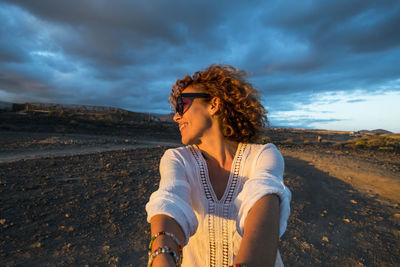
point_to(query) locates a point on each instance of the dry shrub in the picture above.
(386, 148)
(289, 140)
(374, 142)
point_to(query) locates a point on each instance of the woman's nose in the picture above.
(177, 117)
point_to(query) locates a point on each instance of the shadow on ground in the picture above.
(332, 224)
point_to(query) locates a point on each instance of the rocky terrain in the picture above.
(73, 191)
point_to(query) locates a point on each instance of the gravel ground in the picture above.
(77, 210)
(88, 209)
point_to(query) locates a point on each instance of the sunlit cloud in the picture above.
(346, 112)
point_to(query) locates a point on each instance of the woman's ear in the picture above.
(215, 105)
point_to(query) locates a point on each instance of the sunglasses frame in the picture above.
(192, 96)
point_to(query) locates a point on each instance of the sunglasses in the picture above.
(185, 100)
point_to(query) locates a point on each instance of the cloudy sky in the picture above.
(318, 64)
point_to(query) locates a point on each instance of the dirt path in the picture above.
(16, 146)
(12, 156)
(372, 177)
(334, 224)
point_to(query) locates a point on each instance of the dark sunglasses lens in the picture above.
(178, 105)
(186, 103)
(182, 104)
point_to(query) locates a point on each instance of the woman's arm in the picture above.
(261, 233)
(169, 208)
(165, 223)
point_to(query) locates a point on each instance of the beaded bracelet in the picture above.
(170, 235)
(165, 250)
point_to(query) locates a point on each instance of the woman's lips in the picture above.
(181, 126)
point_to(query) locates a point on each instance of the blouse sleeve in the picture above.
(266, 178)
(173, 196)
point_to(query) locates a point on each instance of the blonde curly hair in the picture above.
(241, 114)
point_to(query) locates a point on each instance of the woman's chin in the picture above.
(185, 143)
(188, 141)
(184, 140)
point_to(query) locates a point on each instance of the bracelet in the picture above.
(170, 235)
(163, 250)
(238, 265)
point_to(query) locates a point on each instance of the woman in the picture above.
(221, 197)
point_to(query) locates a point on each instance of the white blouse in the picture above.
(214, 228)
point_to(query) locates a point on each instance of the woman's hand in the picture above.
(261, 234)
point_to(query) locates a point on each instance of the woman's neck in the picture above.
(219, 150)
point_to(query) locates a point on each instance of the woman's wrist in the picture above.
(163, 260)
(164, 238)
(162, 252)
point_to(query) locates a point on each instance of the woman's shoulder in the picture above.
(258, 153)
(182, 152)
(260, 148)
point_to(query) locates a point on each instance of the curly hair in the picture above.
(241, 115)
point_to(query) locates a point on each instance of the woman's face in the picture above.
(195, 122)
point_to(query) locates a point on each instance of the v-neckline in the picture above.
(231, 175)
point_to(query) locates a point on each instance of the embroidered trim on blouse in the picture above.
(211, 207)
(228, 199)
(226, 205)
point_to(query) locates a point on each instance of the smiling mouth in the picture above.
(182, 126)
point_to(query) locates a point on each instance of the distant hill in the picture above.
(165, 117)
(376, 131)
(112, 113)
(89, 111)
(6, 106)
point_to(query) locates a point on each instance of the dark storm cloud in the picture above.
(361, 25)
(32, 89)
(345, 45)
(12, 46)
(129, 53)
(128, 32)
